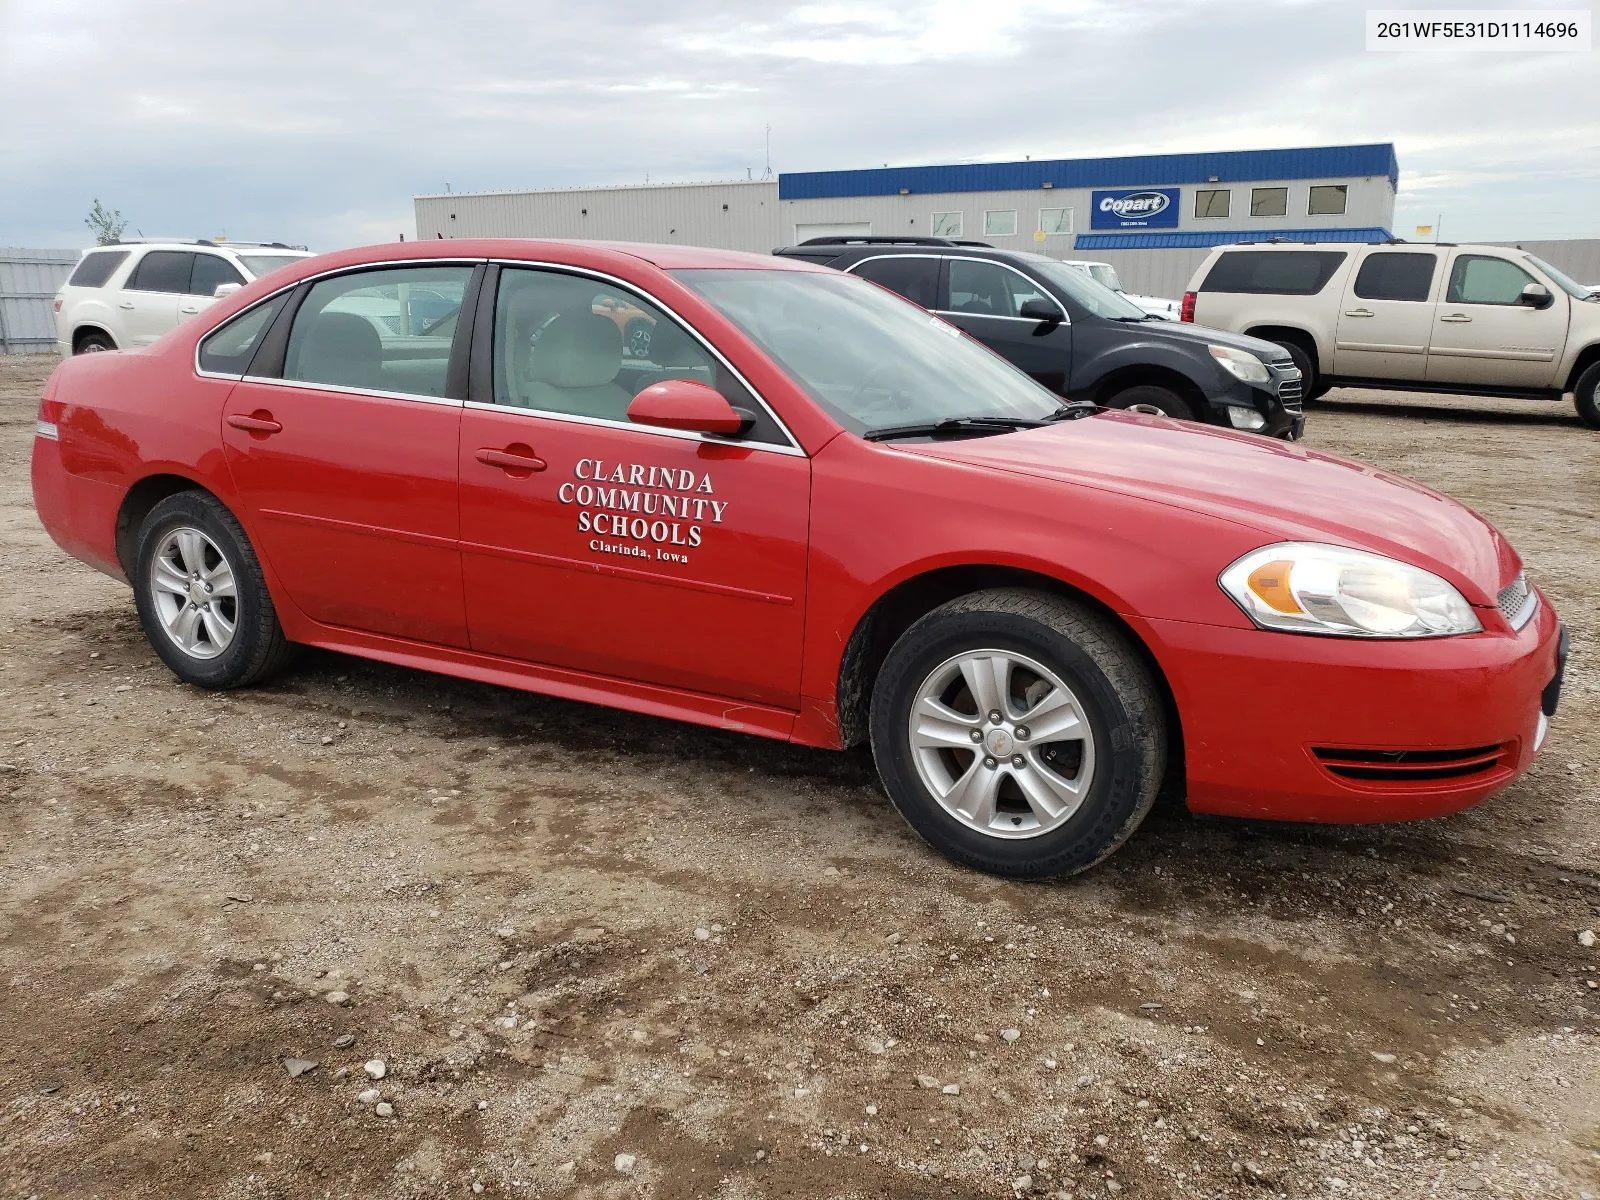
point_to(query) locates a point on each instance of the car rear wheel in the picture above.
(1153, 400)
(1308, 373)
(93, 342)
(1587, 394)
(201, 596)
(1018, 733)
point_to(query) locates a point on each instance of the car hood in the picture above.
(1200, 335)
(1285, 490)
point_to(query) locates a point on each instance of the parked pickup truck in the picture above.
(1474, 320)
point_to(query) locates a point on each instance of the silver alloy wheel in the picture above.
(192, 586)
(1149, 410)
(1001, 743)
(93, 347)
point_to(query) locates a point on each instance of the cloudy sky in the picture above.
(317, 122)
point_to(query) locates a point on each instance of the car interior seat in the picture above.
(340, 348)
(572, 367)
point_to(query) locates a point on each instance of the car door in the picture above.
(985, 297)
(345, 457)
(1483, 335)
(1386, 317)
(209, 272)
(589, 543)
(148, 305)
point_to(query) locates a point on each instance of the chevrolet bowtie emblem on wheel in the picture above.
(998, 743)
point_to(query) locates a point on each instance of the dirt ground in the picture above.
(601, 955)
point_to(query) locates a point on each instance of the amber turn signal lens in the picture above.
(1270, 581)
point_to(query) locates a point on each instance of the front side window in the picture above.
(1479, 279)
(369, 330)
(1086, 290)
(917, 279)
(1269, 202)
(1055, 220)
(945, 225)
(1396, 275)
(577, 346)
(1212, 202)
(1327, 200)
(229, 349)
(1000, 222)
(1273, 272)
(870, 359)
(162, 271)
(986, 289)
(96, 267)
(210, 272)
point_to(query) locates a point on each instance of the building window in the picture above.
(1211, 202)
(945, 225)
(1269, 202)
(1328, 200)
(1000, 222)
(1055, 220)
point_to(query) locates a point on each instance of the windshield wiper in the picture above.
(1071, 410)
(956, 425)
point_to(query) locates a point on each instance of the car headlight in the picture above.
(1241, 364)
(1304, 587)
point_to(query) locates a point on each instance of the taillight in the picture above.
(1186, 313)
(58, 303)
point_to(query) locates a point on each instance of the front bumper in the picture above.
(1279, 401)
(1294, 727)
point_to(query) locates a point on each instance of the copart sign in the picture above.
(1146, 208)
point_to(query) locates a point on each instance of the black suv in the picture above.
(1078, 338)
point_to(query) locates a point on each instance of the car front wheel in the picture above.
(1019, 733)
(201, 596)
(1153, 400)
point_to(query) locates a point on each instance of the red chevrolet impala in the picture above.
(810, 511)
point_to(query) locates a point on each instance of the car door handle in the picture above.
(189, 310)
(258, 422)
(515, 457)
(1358, 312)
(1456, 319)
(128, 304)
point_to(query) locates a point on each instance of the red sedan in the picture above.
(812, 512)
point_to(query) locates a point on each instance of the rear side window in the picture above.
(1273, 273)
(228, 350)
(382, 331)
(1395, 275)
(96, 267)
(209, 272)
(162, 271)
(1479, 279)
(917, 279)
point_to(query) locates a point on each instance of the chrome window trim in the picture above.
(307, 385)
(539, 414)
(793, 446)
(320, 275)
(1066, 318)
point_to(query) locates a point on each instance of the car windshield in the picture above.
(871, 359)
(264, 264)
(1106, 276)
(1076, 286)
(1564, 282)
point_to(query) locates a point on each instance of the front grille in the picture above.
(1291, 390)
(1408, 768)
(1517, 602)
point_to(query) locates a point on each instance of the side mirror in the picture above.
(685, 404)
(1040, 310)
(1536, 295)
(225, 289)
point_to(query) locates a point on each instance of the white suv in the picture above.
(130, 293)
(1474, 320)
(1105, 274)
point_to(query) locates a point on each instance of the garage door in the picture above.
(842, 229)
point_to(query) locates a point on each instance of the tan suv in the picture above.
(1474, 320)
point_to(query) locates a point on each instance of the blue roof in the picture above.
(1221, 237)
(1144, 170)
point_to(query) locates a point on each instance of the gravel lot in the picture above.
(603, 955)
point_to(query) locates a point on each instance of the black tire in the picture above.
(1309, 389)
(257, 648)
(1152, 398)
(1114, 690)
(93, 342)
(1587, 395)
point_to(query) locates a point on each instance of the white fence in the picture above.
(28, 283)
